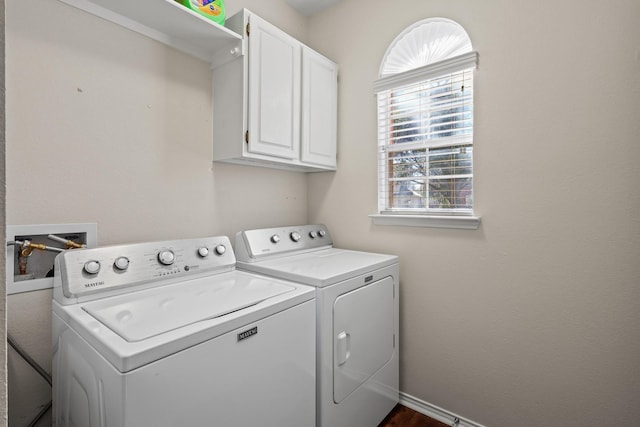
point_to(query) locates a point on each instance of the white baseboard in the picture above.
(436, 412)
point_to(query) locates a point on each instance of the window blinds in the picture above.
(425, 137)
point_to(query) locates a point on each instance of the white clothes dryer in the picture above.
(357, 317)
(171, 334)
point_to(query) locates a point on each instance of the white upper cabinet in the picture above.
(274, 91)
(319, 109)
(276, 106)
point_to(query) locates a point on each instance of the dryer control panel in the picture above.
(102, 271)
(252, 245)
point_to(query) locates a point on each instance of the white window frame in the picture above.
(439, 218)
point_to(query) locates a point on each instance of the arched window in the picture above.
(425, 121)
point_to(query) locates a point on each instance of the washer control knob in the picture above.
(295, 236)
(121, 263)
(313, 234)
(220, 249)
(92, 267)
(166, 257)
(322, 233)
(275, 238)
(203, 251)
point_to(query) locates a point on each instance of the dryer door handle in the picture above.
(343, 348)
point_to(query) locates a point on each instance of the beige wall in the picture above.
(107, 126)
(533, 319)
(3, 252)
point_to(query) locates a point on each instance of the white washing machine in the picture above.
(170, 334)
(357, 317)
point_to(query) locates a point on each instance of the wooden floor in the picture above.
(401, 416)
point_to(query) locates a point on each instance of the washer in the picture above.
(357, 317)
(171, 334)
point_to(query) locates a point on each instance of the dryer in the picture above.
(171, 334)
(357, 317)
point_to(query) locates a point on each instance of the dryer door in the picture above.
(363, 335)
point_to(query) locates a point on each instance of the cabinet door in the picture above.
(274, 91)
(319, 109)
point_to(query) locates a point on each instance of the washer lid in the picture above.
(322, 267)
(141, 315)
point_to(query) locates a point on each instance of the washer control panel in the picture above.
(82, 272)
(254, 244)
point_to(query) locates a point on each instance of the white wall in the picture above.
(533, 319)
(107, 126)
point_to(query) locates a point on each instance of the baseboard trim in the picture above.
(436, 412)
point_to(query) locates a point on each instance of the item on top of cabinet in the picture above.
(212, 9)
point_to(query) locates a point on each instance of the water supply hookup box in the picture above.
(31, 250)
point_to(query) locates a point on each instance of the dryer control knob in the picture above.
(220, 249)
(203, 251)
(166, 257)
(295, 236)
(313, 234)
(121, 263)
(92, 267)
(275, 238)
(322, 233)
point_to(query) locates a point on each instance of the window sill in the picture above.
(458, 222)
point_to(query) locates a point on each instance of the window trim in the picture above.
(462, 222)
(466, 221)
(426, 72)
